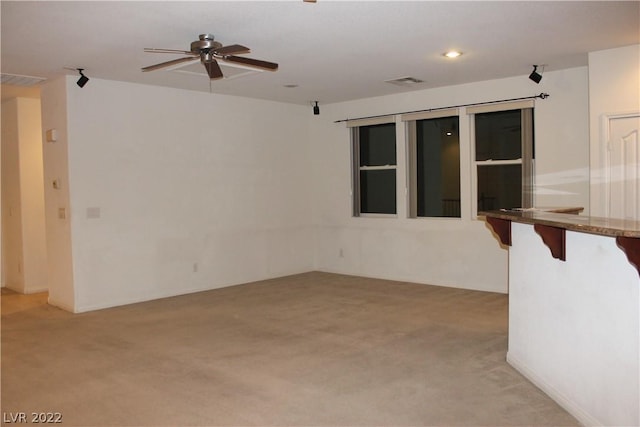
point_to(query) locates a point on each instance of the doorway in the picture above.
(24, 251)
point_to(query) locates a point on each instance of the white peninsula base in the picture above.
(574, 325)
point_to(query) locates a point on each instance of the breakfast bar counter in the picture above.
(574, 309)
(552, 223)
(564, 218)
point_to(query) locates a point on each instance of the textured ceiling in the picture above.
(332, 50)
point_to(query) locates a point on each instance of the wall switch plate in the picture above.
(62, 213)
(52, 135)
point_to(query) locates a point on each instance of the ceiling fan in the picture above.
(210, 51)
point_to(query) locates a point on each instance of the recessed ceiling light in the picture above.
(291, 86)
(452, 54)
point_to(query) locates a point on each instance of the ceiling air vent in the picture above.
(16, 80)
(405, 81)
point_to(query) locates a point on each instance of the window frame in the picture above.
(527, 154)
(410, 120)
(356, 168)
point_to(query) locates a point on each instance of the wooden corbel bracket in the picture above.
(554, 238)
(502, 228)
(631, 247)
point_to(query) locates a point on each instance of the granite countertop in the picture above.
(555, 217)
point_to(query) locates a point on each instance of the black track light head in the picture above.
(316, 109)
(83, 79)
(535, 76)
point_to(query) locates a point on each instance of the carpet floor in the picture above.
(314, 349)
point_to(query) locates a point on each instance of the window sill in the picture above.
(375, 215)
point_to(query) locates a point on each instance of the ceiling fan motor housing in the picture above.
(206, 44)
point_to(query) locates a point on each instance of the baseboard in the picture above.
(170, 293)
(410, 279)
(24, 290)
(15, 288)
(53, 302)
(569, 405)
(36, 291)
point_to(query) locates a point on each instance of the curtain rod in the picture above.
(541, 96)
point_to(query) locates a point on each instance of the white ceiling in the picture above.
(333, 50)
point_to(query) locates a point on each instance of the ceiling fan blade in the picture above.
(154, 50)
(232, 49)
(168, 63)
(257, 63)
(213, 69)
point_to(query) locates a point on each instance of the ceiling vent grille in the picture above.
(16, 80)
(405, 81)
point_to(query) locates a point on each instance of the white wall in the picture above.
(25, 262)
(450, 252)
(574, 326)
(58, 228)
(174, 191)
(12, 269)
(614, 87)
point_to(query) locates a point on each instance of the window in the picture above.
(434, 164)
(504, 153)
(374, 168)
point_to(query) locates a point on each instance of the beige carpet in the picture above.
(305, 350)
